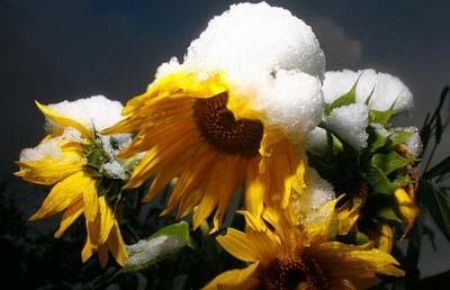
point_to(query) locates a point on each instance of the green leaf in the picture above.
(347, 99)
(434, 121)
(439, 169)
(370, 96)
(381, 117)
(378, 180)
(438, 205)
(179, 230)
(388, 214)
(162, 244)
(402, 180)
(326, 147)
(376, 139)
(361, 238)
(389, 162)
(400, 137)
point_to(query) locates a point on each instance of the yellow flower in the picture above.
(74, 191)
(200, 130)
(286, 257)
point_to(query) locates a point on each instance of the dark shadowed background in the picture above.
(53, 50)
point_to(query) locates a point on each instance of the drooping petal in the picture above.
(189, 188)
(171, 170)
(49, 170)
(116, 245)
(220, 183)
(107, 219)
(103, 256)
(87, 251)
(170, 148)
(70, 215)
(63, 194)
(231, 176)
(90, 199)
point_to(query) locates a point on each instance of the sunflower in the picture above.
(283, 256)
(198, 131)
(69, 160)
(229, 114)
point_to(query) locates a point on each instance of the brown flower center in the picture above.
(297, 272)
(222, 131)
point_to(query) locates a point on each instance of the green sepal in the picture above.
(344, 100)
(389, 162)
(378, 180)
(388, 214)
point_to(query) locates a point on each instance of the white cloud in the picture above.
(341, 50)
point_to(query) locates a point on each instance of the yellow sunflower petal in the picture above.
(64, 121)
(256, 188)
(50, 170)
(347, 215)
(107, 219)
(62, 195)
(116, 246)
(239, 245)
(385, 240)
(93, 231)
(189, 188)
(103, 255)
(285, 233)
(172, 169)
(235, 279)
(322, 229)
(283, 165)
(252, 222)
(70, 215)
(281, 178)
(87, 251)
(140, 172)
(221, 184)
(90, 199)
(169, 150)
(225, 184)
(407, 208)
(204, 209)
(299, 182)
(359, 265)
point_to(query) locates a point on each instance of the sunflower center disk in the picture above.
(299, 272)
(222, 131)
